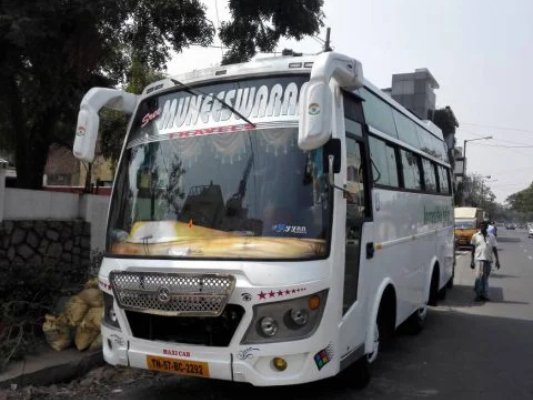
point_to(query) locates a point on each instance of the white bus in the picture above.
(271, 222)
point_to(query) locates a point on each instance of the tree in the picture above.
(522, 201)
(113, 124)
(53, 51)
(260, 25)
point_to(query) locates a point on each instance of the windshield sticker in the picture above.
(323, 357)
(282, 292)
(296, 229)
(261, 103)
(150, 117)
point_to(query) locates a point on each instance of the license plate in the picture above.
(177, 366)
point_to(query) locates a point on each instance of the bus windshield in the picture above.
(247, 194)
(465, 224)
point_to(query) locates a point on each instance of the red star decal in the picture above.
(287, 292)
(262, 295)
(280, 292)
(272, 294)
(294, 291)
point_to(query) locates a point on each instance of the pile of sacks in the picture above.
(80, 321)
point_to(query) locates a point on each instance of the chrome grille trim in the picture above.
(172, 294)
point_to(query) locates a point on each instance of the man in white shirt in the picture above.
(483, 246)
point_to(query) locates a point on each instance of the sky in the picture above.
(480, 52)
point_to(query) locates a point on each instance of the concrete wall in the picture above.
(39, 205)
(23, 204)
(93, 209)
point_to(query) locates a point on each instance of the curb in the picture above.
(57, 373)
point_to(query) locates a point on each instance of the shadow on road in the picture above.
(450, 359)
(497, 275)
(509, 239)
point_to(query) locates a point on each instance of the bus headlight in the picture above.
(269, 326)
(287, 320)
(299, 317)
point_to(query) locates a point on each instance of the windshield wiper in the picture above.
(197, 92)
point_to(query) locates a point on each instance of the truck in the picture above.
(467, 222)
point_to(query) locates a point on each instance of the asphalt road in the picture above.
(467, 351)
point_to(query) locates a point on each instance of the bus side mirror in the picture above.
(315, 115)
(89, 121)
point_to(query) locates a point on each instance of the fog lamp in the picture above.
(279, 363)
(313, 302)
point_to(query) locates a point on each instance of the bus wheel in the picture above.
(415, 323)
(373, 354)
(449, 284)
(434, 288)
(359, 374)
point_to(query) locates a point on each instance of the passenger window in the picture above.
(384, 165)
(430, 179)
(406, 129)
(378, 113)
(444, 182)
(412, 178)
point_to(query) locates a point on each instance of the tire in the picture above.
(449, 284)
(416, 322)
(442, 293)
(357, 375)
(434, 289)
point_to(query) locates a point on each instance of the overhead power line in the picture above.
(498, 127)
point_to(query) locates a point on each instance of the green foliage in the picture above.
(445, 119)
(113, 124)
(522, 201)
(260, 25)
(53, 51)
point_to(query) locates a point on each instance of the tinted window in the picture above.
(443, 180)
(411, 170)
(406, 129)
(384, 166)
(430, 144)
(378, 113)
(430, 179)
(352, 107)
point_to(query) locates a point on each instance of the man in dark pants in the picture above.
(483, 245)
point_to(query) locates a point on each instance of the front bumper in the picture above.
(241, 363)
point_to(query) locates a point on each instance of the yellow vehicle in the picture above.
(467, 222)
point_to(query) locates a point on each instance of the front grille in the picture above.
(172, 294)
(207, 331)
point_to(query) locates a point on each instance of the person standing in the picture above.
(492, 229)
(483, 246)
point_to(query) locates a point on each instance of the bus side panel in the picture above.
(412, 232)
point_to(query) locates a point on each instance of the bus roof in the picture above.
(274, 65)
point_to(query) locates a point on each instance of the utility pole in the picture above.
(327, 46)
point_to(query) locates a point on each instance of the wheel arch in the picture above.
(386, 292)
